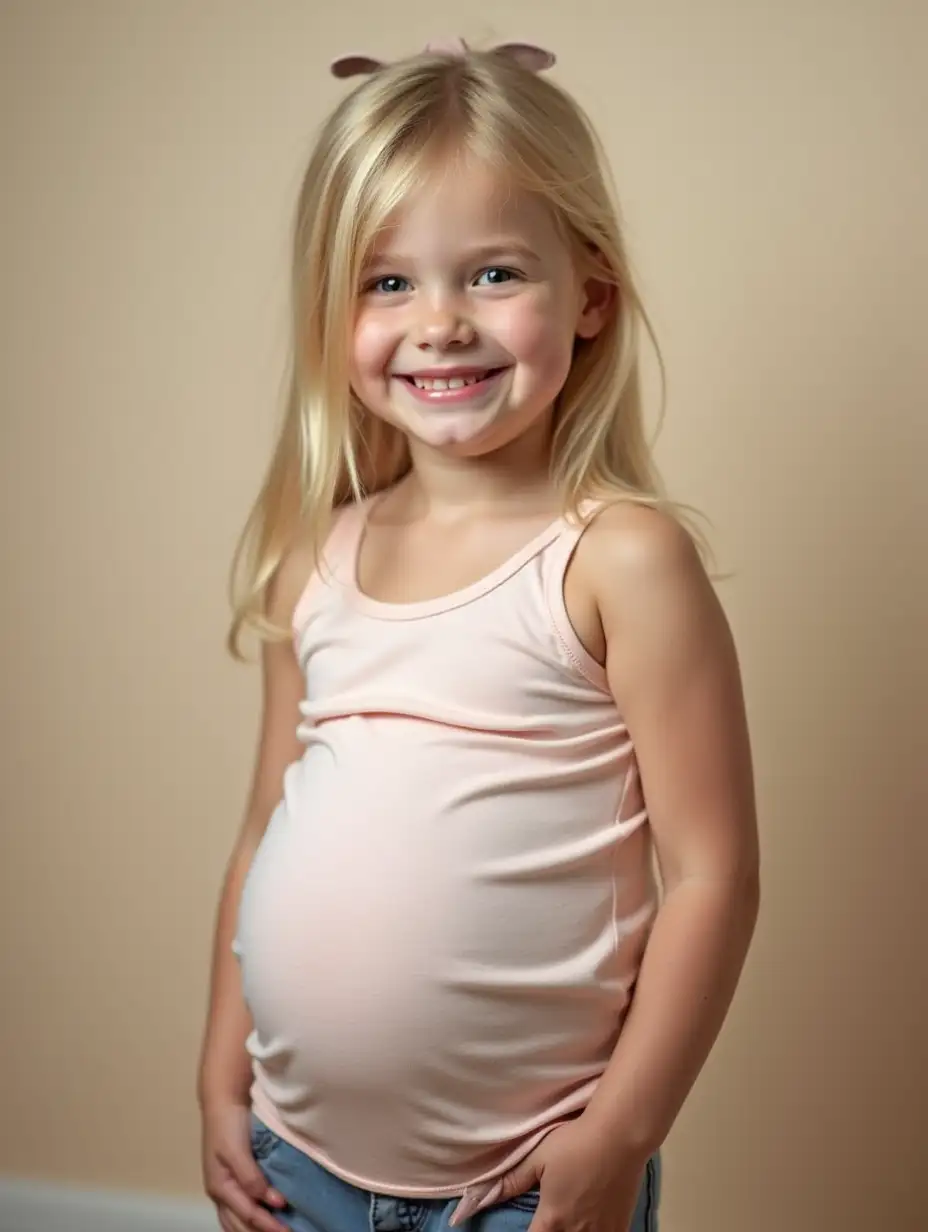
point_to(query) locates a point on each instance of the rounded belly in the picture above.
(427, 922)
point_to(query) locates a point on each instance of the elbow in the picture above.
(748, 893)
(739, 894)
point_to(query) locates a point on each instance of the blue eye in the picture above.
(495, 276)
(390, 284)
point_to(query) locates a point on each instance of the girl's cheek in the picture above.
(526, 320)
(535, 337)
(372, 341)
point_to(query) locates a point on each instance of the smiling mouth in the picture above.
(439, 384)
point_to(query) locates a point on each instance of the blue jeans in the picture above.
(321, 1202)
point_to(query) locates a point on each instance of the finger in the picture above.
(245, 1172)
(229, 1222)
(522, 1178)
(254, 1217)
(476, 1198)
(234, 1224)
(250, 1177)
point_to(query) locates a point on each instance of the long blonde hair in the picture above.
(371, 153)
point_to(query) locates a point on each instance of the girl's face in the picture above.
(468, 310)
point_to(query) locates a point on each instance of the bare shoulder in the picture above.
(672, 666)
(633, 554)
(658, 609)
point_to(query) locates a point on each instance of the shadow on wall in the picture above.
(819, 1083)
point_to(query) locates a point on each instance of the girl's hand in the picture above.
(231, 1177)
(585, 1186)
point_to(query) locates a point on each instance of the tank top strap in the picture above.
(557, 558)
(338, 553)
(559, 553)
(336, 560)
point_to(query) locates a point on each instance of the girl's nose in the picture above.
(441, 326)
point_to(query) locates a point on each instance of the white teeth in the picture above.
(440, 383)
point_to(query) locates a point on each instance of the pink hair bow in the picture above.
(533, 58)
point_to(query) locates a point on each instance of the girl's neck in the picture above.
(517, 477)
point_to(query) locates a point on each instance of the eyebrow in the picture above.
(483, 252)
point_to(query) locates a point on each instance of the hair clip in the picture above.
(526, 55)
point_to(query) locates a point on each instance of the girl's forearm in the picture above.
(225, 1067)
(688, 977)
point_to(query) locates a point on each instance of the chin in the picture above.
(461, 433)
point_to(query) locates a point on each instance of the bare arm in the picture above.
(225, 1072)
(672, 667)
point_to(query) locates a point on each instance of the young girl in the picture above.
(497, 684)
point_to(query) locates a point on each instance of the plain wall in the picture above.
(771, 161)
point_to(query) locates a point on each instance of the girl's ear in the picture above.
(598, 298)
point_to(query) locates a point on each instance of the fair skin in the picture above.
(231, 1177)
(471, 282)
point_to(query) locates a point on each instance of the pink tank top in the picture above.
(442, 927)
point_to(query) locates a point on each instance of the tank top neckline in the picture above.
(416, 610)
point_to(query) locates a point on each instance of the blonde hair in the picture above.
(371, 153)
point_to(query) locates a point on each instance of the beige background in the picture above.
(772, 161)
